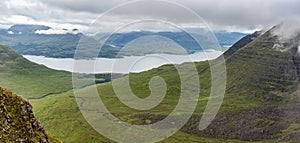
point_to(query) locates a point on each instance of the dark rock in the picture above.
(17, 120)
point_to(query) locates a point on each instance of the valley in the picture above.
(258, 106)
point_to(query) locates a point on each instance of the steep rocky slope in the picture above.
(267, 80)
(18, 123)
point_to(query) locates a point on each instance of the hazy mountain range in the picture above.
(38, 40)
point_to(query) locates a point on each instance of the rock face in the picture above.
(267, 77)
(17, 121)
(260, 70)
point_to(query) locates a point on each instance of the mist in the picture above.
(288, 34)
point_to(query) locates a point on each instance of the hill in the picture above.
(26, 29)
(33, 81)
(28, 79)
(18, 123)
(25, 40)
(181, 38)
(261, 102)
(267, 79)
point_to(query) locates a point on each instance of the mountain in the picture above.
(28, 40)
(25, 40)
(40, 81)
(26, 29)
(267, 79)
(182, 38)
(18, 123)
(242, 42)
(261, 103)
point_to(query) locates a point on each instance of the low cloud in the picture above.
(287, 31)
(288, 34)
(56, 31)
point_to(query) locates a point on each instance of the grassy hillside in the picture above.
(28, 79)
(62, 111)
(260, 103)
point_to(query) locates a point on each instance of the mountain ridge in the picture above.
(24, 40)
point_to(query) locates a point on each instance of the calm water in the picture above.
(122, 65)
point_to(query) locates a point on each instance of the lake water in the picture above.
(121, 65)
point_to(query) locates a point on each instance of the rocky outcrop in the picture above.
(17, 121)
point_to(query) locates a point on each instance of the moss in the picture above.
(17, 120)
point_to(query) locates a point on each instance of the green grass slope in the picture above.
(260, 70)
(28, 79)
(260, 103)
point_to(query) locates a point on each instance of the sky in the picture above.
(230, 15)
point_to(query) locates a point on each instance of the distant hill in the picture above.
(17, 121)
(25, 40)
(26, 29)
(183, 39)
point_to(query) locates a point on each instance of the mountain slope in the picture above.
(267, 79)
(261, 67)
(28, 79)
(18, 123)
(261, 101)
(241, 43)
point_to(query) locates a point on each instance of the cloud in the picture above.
(288, 34)
(56, 31)
(233, 15)
(247, 13)
(92, 6)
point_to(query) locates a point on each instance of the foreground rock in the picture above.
(17, 121)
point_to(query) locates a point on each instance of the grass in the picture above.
(28, 79)
(258, 77)
(247, 89)
(60, 115)
(33, 81)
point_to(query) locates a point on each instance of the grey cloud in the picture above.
(219, 14)
(246, 13)
(92, 6)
